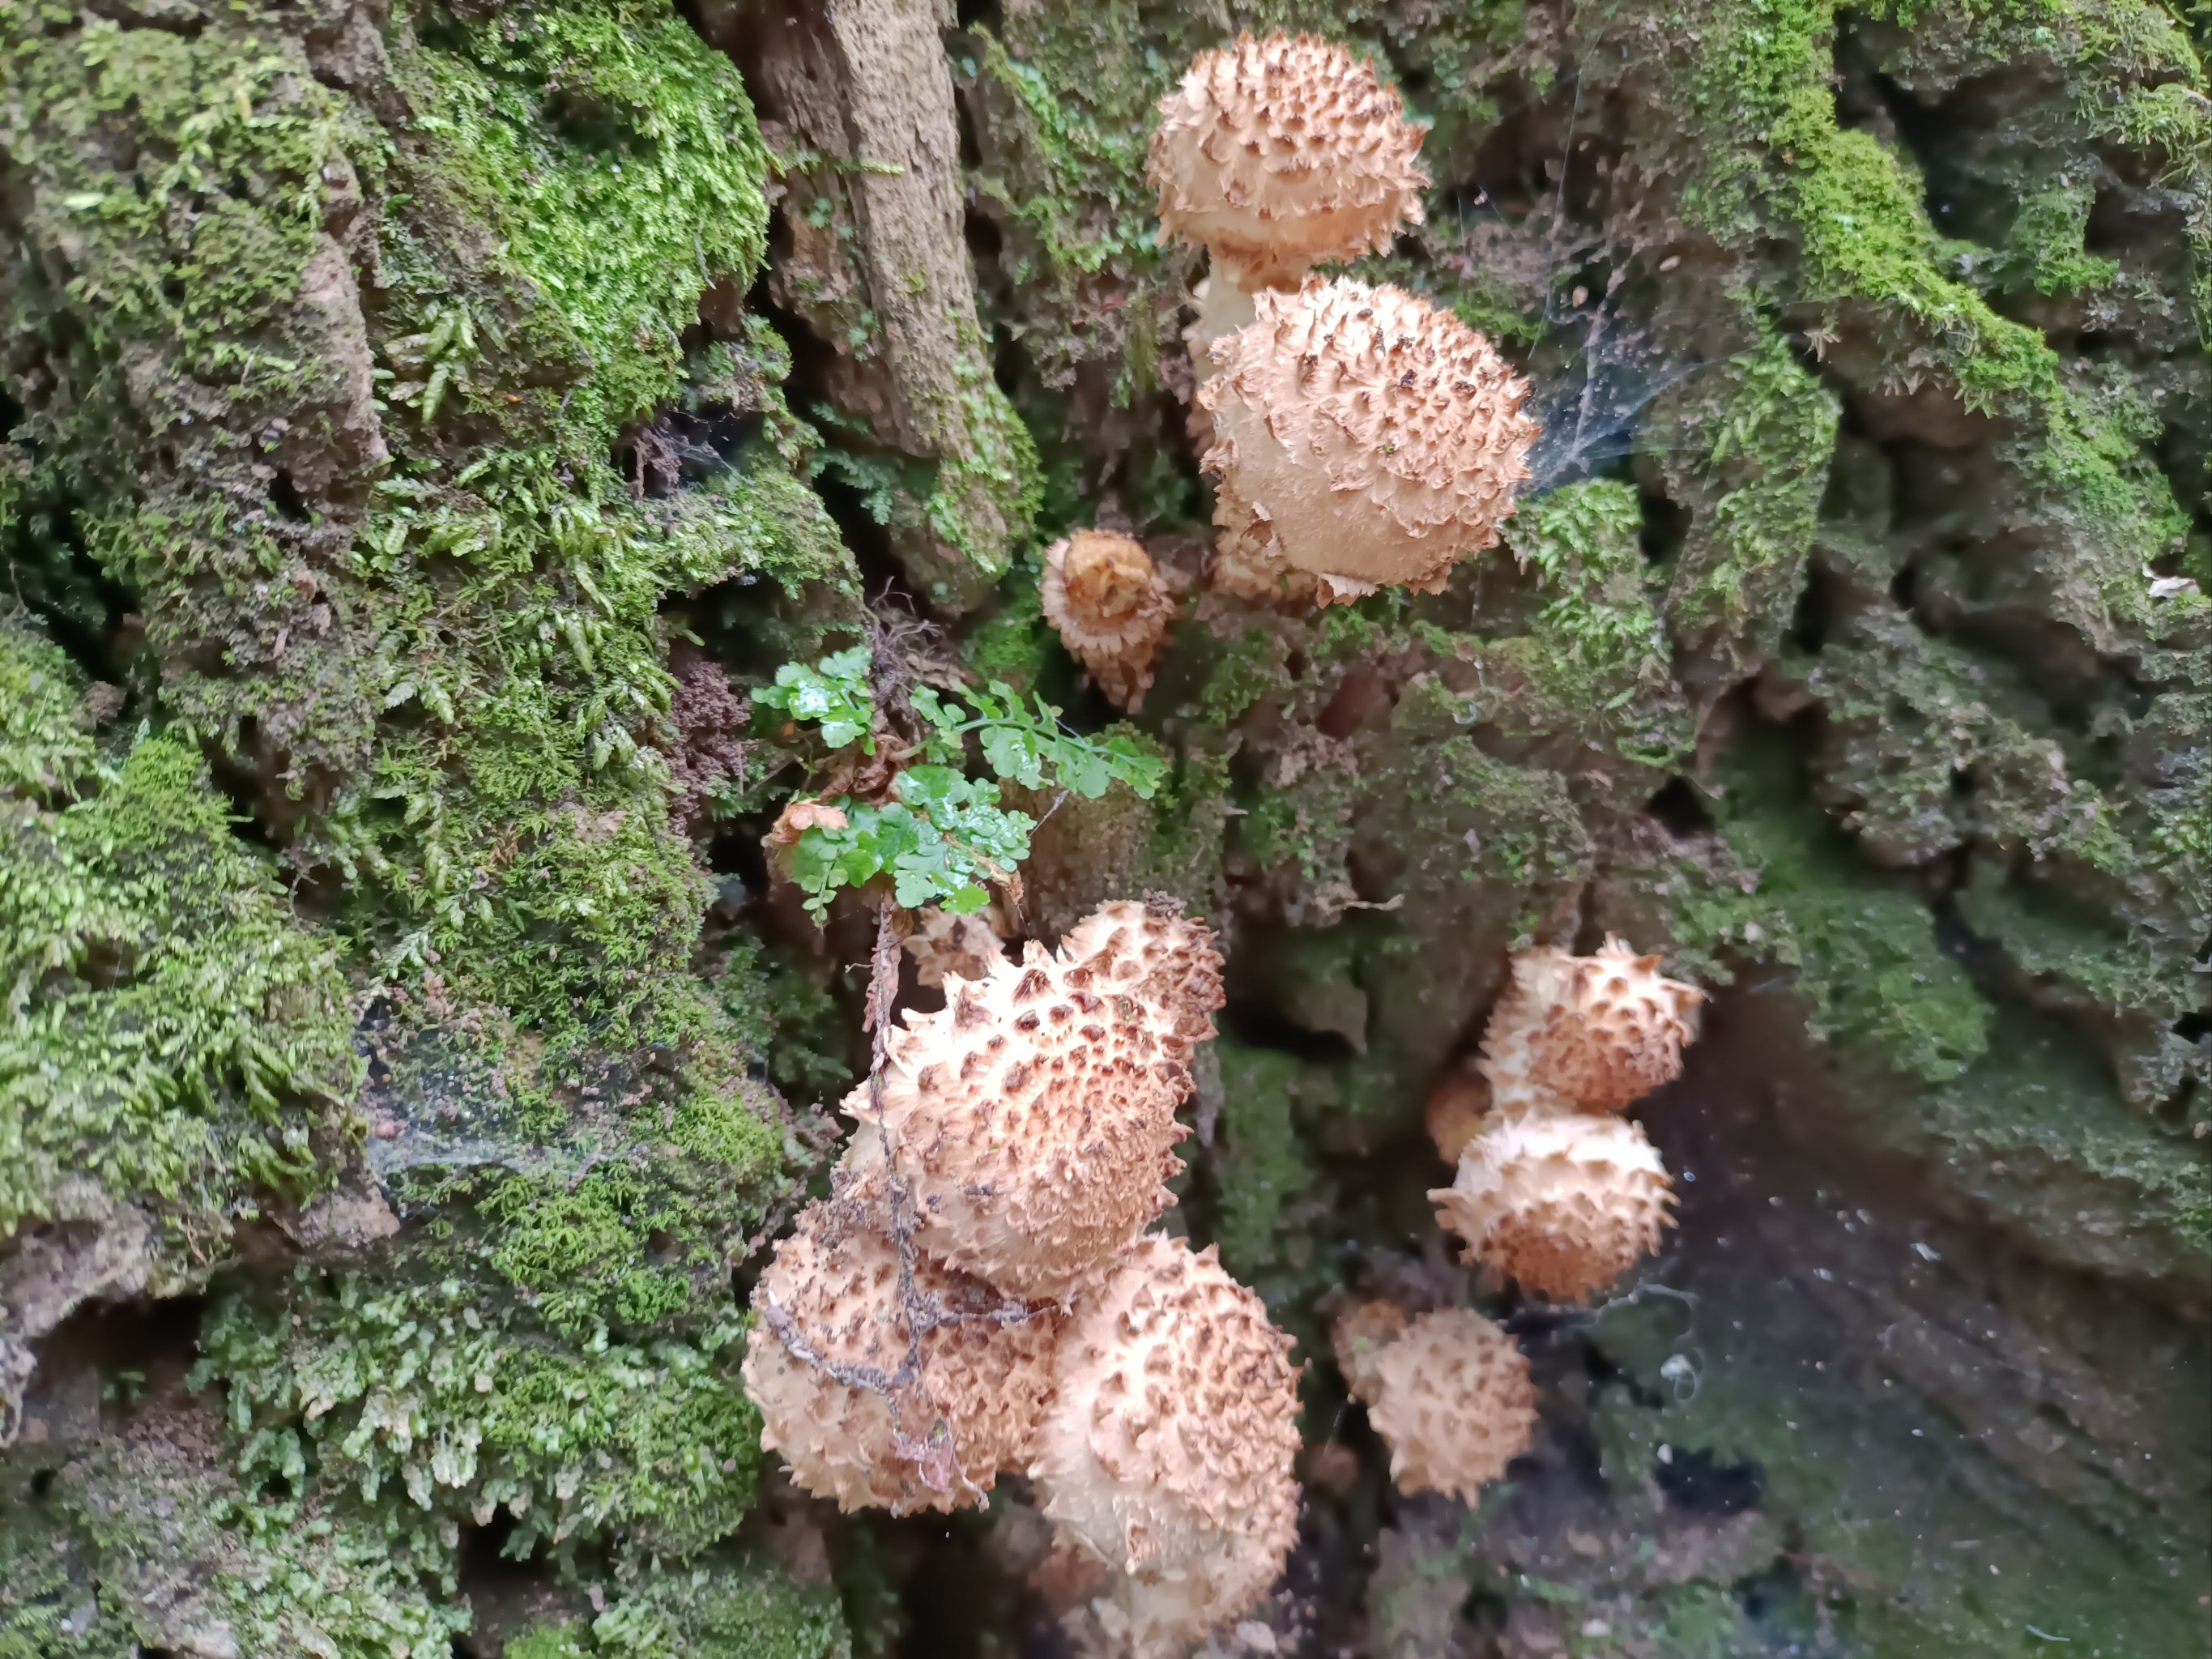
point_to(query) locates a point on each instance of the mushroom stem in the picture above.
(1224, 306)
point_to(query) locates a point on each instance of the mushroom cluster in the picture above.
(1277, 155)
(979, 1296)
(1554, 1190)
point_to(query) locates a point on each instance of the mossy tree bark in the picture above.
(423, 421)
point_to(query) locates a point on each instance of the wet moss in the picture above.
(176, 1039)
(445, 1404)
(1261, 1167)
(186, 1556)
(1859, 947)
(1595, 676)
(189, 190)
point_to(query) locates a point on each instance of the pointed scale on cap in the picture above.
(1285, 152)
(1033, 1118)
(1563, 1202)
(829, 1302)
(1362, 438)
(1169, 1452)
(1591, 1033)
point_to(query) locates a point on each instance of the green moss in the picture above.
(564, 194)
(1866, 256)
(619, 154)
(1927, 745)
(187, 1557)
(567, 1642)
(2043, 252)
(174, 1035)
(452, 1399)
(45, 736)
(787, 1017)
(1862, 1464)
(1596, 665)
(179, 186)
(1747, 444)
(1261, 1167)
(1013, 643)
(49, 1587)
(1863, 946)
(728, 1609)
(2036, 1131)
(1084, 853)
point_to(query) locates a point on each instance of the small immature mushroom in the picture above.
(943, 944)
(1358, 1337)
(1588, 1033)
(1110, 608)
(1451, 1398)
(1362, 438)
(1565, 1202)
(827, 1357)
(1168, 1451)
(1033, 1116)
(1458, 1107)
(1280, 154)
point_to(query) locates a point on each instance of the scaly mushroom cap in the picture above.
(1168, 1452)
(1033, 1117)
(1281, 154)
(1590, 1033)
(943, 944)
(1453, 1402)
(1111, 608)
(1362, 438)
(832, 1291)
(1565, 1202)
(1151, 951)
(1358, 1337)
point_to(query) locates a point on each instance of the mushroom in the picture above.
(1033, 1116)
(1448, 1392)
(1153, 951)
(1565, 1202)
(1110, 608)
(1587, 1033)
(1362, 438)
(943, 944)
(1277, 155)
(1457, 1108)
(828, 1367)
(1358, 1336)
(1168, 1452)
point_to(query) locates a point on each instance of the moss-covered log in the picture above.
(422, 422)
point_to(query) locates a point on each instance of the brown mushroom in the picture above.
(1034, 1116)
(828, 1367)
(1448, 1391)
(1283, 153)
(1111, 610)
(1564, 1202)
(1587, 1033)
(1168, 1454)
(1362, 438)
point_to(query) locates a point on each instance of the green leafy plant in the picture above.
(942, 836)
(835, 691)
